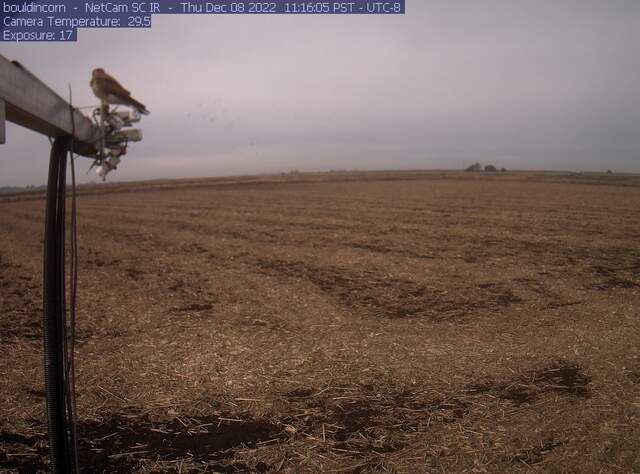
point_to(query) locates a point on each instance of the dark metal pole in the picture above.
(54, 310)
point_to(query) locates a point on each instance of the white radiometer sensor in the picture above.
(122, 118)
(107, 166)
(115, 134)
(132, 134)
(128, 116)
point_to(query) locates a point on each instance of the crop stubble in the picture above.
(350, 323)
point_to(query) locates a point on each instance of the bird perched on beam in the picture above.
(109, 91)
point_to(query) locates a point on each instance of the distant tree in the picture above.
(609, 172)
(475, 167)
(490, 169)
(503, 170)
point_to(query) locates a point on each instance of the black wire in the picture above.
(59, 333)
(72, 313)
(62, 321)
(73, 270)
(54, 303)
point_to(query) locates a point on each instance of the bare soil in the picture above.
(366, 322)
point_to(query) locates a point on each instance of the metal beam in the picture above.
(32, 104)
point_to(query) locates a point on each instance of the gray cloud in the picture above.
(527, 84)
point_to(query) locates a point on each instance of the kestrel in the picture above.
(108, 90)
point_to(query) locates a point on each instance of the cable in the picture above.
(54, 308)
(59, 333)
(73, 271)
(73, 264)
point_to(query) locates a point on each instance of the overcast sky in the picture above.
(526, 84)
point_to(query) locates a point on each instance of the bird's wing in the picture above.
(110, 86)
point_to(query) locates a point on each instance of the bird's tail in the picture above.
(141, 108)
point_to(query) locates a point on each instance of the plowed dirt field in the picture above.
(372, 322)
